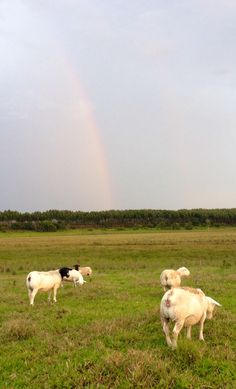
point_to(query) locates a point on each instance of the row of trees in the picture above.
(52, 220)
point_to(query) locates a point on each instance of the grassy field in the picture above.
(107, 333)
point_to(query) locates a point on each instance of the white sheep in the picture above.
(186, 307)
(45, 281)
(170, 278)
(85, 271)
(75, 276)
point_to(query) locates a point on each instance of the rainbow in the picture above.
(99, 152)
(99, 175)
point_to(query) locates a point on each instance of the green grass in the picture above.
(107, 333)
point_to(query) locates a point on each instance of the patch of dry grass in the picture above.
(18, 329)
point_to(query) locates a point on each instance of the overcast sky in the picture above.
(117, 104)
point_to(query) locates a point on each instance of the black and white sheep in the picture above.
(45, 281)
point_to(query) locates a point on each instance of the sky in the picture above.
(117, 104)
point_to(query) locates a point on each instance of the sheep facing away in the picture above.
(45, 281)
(85, 271)
(185, 307)
(170, 278)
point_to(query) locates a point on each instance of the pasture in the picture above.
(107, 333)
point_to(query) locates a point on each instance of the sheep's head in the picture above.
(211, 304)
(183, 272)
(64, 272)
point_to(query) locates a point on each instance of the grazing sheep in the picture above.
(186, 307)
(172, 278)
(45, 281)
(74, 276)
(85, 271)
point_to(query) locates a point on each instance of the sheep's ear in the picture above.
(213, 301)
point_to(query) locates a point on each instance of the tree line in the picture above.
(53, 220)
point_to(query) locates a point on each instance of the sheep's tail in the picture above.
(183, 272)
(28, 284)
(212, 301)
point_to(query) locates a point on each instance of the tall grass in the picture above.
(107, 333)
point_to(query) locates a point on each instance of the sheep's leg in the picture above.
(167, 332)
(201, 337)
(49, 295)
(74, 281)
(55, 293)
(189, 328)
(176, 330)
(32, 295)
